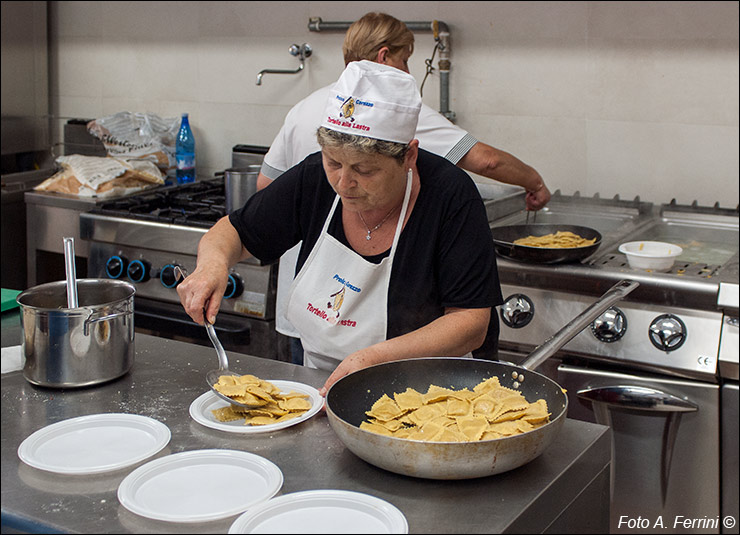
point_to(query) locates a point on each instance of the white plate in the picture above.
(94, 444)
(200, 410)
(200, 485)
(322, 511)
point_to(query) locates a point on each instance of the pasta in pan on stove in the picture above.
(558, 240)
(489, 411)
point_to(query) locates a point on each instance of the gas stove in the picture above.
(671, 324)
(660, 367)
(143, 238)
(199, 204)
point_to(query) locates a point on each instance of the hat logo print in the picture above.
(348, 109)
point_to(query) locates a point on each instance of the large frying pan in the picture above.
(349, 398)
(504, 237)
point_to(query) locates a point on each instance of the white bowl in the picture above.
(650, 255)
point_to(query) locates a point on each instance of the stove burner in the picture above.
(199, 204)
(690, 269)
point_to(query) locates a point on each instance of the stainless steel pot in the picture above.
(74, 347)
(240, 184)
(349, 398)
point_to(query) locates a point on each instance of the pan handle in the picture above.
(550, 346)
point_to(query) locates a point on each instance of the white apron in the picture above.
(338, 302)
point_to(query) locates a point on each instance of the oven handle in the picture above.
(637, 398)
(224, 327)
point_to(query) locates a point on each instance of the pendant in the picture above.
(368, 237)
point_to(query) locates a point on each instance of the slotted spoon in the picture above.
(212, 376)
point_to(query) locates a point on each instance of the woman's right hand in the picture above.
(218, 250)
(204, 287)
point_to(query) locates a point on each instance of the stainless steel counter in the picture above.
(566, 489)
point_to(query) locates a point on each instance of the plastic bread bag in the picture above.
(142, 136)
(102, 177)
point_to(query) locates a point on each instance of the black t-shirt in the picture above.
(445, 255)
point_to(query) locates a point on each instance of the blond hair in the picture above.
(366, 36)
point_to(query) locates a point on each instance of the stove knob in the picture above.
(517, 311)
(167, 276)
(234, 286)
(139, 271)
(667, 332)
(610, 326)
(116, 266)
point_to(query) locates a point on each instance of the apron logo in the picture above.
(334, 305)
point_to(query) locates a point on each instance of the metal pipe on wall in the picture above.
(441, 34)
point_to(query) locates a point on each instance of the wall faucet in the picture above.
(304, 51)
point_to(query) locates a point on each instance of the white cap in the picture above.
(374, 100)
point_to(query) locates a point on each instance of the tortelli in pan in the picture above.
(489, 411)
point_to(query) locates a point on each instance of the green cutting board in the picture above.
(9, 301)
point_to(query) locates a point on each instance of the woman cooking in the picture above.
(397, 259)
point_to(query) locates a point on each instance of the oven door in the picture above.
(730, 461)
(665, 432)
(237, 333)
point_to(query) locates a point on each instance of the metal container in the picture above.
(240, 184)
(75, 347)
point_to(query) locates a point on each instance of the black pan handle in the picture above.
(550, 346)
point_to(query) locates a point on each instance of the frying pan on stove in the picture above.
(505, 236)
(349, 398)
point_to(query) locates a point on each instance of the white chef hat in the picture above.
(374, 100)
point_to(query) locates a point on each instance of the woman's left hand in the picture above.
(356, 361)
(457, 332)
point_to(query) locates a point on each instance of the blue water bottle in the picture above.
(185, 152)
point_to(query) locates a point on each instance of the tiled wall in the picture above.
(628, 98)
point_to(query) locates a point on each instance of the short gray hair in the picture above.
(333, 139)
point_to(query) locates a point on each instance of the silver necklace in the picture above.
(376, 227)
